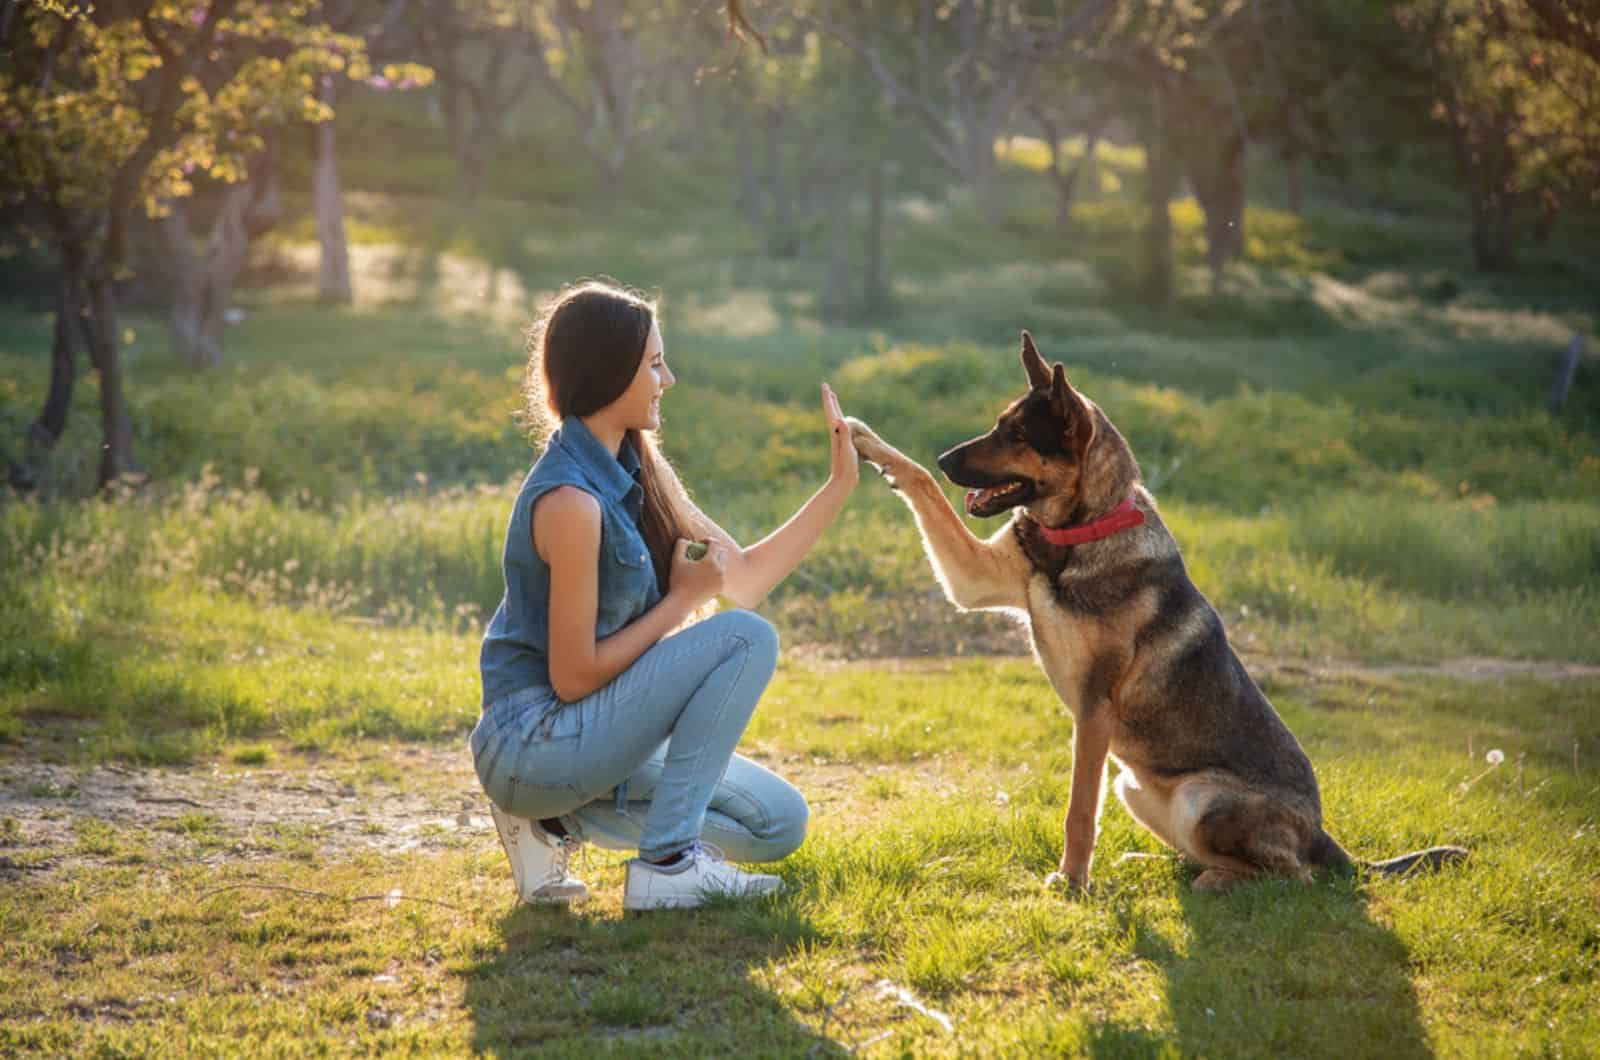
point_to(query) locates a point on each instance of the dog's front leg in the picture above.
(975, 573)
(1091, 741)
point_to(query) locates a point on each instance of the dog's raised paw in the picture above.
(867, 443)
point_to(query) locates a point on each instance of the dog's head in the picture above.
(1052, 450)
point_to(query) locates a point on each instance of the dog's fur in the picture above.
(1129, 644)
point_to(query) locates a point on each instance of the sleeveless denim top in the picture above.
(516, 647)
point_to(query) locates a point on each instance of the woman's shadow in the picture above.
(1277, 969)
(557, 982)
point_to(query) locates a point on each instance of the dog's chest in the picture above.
(1061, 644)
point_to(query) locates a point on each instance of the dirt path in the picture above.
(55, 817)
(228, 814)
(1470, 668)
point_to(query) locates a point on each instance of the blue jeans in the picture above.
(647, 761)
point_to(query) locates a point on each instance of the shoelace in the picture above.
(700, 848)
(563, 854)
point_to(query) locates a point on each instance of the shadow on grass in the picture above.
(1279, 969)
(572, 983)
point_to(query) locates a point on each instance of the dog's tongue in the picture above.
(973, 498)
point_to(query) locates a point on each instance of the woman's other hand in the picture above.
(845, 467)
(698, 580)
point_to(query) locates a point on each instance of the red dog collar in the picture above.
(1123, 517)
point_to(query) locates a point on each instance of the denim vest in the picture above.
(516, 647)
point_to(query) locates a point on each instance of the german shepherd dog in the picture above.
(1129, 644)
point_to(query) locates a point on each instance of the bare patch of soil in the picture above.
(66, 816)
(56, 818)
(1475, 668)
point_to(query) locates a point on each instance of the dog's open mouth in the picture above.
(995, 499)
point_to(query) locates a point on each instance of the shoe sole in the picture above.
(675, 902)
(555, 899)
(690, 901)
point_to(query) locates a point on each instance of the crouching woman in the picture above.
(599, 722)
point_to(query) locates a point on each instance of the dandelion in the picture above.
(1494, 758)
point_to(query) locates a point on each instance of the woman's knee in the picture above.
(787, 818)
(755, 632)
(792, 826)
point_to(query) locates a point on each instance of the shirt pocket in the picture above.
(626, 577)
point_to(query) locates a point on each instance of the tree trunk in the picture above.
(1487, 162)
(333, 275)
(875, 282)
(1157, 284)
(1067, 183)
(1224, 208)
(1215, 167)
(748, 201)
(188, 281)
(70, 327)
(836, 299)
(116, 450)
(1493, 230)
(465, 141)
(204, 287)
(1293, 177)
(780, 213)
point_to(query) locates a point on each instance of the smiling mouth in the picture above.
(986, 502)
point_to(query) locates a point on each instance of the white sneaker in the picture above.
(701, 873)
(538, 860)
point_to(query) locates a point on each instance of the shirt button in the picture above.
(642, 557)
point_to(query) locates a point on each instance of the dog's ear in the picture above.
(1072, 408)
(1038, 374)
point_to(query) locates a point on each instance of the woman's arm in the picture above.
(566, 534)
(753, 572)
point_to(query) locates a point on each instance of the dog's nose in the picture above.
(950, 462)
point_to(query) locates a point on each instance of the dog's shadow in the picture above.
(1277, 969)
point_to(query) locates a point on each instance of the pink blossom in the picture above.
(379, 82)
(198, 16)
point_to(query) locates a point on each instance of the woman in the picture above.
(599, 722)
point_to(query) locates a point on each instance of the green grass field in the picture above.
(1351, 445)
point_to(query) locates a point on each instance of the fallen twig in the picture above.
(178, 800)
(389, 898)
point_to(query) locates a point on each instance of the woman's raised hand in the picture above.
(845, 466)
(700, 579)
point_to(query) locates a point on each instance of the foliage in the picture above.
(1521, 100)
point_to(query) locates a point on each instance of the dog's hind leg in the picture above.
(1251, 833)
(1236, 833)
(1150, 806)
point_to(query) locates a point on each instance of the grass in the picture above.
(923, 880)
(1350, 442)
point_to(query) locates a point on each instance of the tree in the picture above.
(959, 71)
(377, 24)
(484, 56)
(112, 107)
(1516, 83)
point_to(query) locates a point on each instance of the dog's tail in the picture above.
(1326, 853)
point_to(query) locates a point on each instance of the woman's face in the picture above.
(640, 404)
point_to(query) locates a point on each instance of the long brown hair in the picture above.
(583, 351)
